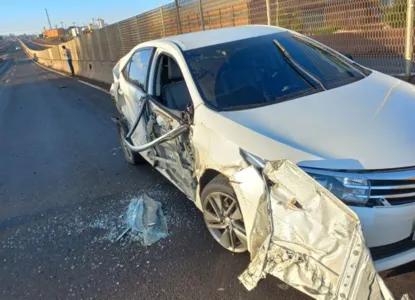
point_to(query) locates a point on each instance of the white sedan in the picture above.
(201, 107)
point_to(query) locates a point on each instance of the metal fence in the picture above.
(377, 33)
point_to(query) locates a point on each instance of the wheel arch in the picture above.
(207, 177)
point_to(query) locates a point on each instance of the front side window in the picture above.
(255, 72)
(138, 68)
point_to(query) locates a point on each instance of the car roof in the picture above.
(205, 38)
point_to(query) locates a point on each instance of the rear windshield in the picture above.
(256, 72)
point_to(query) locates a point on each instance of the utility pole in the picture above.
(47, 15)
(62, 25)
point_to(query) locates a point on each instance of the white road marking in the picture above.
(94, 86)
(7, 80)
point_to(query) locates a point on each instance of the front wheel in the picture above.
(223, 216)
(133, 158)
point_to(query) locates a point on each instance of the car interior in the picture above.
(171, 88)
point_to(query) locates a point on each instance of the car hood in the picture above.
(369, 124)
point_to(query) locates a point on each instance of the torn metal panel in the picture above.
(249, 187)
(172, 150)
(314, 242)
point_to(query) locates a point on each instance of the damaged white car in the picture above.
(209, 109)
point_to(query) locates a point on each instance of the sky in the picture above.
(25, 16)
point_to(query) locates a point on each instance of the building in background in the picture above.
(51, 33)
(92, 27)
(76, 31)
(101, 23)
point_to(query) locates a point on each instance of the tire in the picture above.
(225, 221)
(131, 157)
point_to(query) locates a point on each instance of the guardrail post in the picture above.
(268, 13)
(202, 21)
(179, 26)
(409, 38)
(162, 20)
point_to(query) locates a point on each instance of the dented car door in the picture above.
(174, 155)
(161, 135)
(132, 84)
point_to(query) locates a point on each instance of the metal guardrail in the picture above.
(377, 33)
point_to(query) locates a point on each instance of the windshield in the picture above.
(255, 72)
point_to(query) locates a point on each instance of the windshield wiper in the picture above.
(351, 65)
(297, 67)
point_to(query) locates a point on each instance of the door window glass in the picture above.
(139, 66)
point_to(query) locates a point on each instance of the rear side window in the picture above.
(138, 68)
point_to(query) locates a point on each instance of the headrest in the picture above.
(174, 72)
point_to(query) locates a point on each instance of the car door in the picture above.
(132, 84)
(167, 133)
(175, 156)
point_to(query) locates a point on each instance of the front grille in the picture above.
(396, 187)
(392, 249)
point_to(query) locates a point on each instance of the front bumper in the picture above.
(394, 261)
(389, 233)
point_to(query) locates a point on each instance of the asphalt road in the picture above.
(64, 189)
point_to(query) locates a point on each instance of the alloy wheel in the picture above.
(224, 220)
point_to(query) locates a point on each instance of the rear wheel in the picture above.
(133, 158)
(223, 216)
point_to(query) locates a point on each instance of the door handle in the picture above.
(120, 92)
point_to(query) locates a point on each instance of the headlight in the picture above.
(352, 189)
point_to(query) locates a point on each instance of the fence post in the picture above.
(179, 26)
(409, 38)
(202, 21)
(268, 13)
(122, 44)
(277, 2)
(108, 43)
(162, 20)
(138, 29)
(99, 43)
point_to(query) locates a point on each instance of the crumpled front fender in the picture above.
(302, 234)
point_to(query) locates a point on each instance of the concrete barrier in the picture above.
(53, 58)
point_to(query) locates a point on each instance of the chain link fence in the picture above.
(371, 31)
